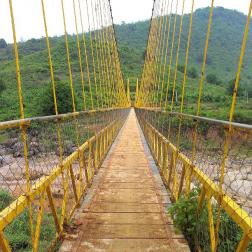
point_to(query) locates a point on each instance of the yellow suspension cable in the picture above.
(177, 55)
(104, 56)
(166, 53)
(22, 116)
(231, 114)
(157, 52)
(200, 89)
(68, 57)
(86, 55)
(92, 48)
(156, 39)
(97, 55)
(171, 57)
(162, 60)
(149, 70)
(80, 57)
(101, 55)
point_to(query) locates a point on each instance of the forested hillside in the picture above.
(224, 48)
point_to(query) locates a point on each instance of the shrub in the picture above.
(2, 86)
(192, 73)
(230, 88)
(181, 68)
(3, 43)
(5, 199)
(64, 99)
(195, 225)
(212, 79)
(18, 231)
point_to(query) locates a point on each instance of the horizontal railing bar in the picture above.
(27, 121)
(206, 119)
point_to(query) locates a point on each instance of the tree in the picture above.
(3, 43)
(2, 86)
(181, 68)
(192, 73)
(230, 88)
(64, 99)
(212, 79)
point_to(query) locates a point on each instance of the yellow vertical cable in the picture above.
(115, 64)
(68, 57)
(149, 70)
(166, 53)
(161, 51)
(157, 52)
(162, 60)
(106, 51)
(92, 48)
(105, 76)
(113, 60)
(80, 57)
(149, 56)
(200, 89)
(86, 55)
(109, 71)
(144, 80)
(177, 55)
(155, 56)
(22, 116)
(185, 71)
(110, 66)
(171, 57)
(186, 58)
(53, 87)
(201, 82)
(97, 55)
(231, 114)
(105, 59)
(101, 56)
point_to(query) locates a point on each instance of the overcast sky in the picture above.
(29, 22)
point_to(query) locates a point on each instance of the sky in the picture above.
(29, 21)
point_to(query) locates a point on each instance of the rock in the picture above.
(1, 161)
(34, 149)
(249, 177)
(9, 143)
(17, 150)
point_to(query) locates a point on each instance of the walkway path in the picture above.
(125, 211)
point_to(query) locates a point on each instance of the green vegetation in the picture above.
(64, 99)
(2, 86)
(223, 55)
(18, 232)
(3, 43)
(195, 228)
(212, 79)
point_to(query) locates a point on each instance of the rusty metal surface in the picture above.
(126, 210)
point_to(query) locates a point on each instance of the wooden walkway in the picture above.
(125, 209)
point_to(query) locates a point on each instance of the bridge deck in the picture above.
(125, 209)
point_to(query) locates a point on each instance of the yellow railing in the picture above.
(181, 171)
(56, 186)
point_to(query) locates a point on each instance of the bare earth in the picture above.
(125, 210)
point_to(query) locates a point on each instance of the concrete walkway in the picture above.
(124, 210)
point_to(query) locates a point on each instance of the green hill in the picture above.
(224, 48)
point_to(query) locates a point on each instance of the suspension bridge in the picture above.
(123, 173)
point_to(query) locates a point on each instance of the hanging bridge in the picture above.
(125, 173)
